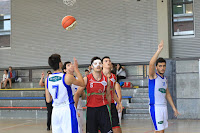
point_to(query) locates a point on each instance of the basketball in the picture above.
(68, 22)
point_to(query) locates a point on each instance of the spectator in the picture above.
(11, 77)
(121, 74)
(5, 76)
(49, 105)
(86, 72)
(89, 69)
(113, 68)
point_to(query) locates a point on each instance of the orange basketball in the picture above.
(68, 22)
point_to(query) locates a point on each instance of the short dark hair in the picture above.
(95, 58)
(104, 58)
(10, 67)
(54, 61)
(6, 70)
(86, 70)
(160, 60)
(49, 72)
(64, 66)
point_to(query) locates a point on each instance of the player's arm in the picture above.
(70, 79)
(152, 73)
(119, 105)
(83, 95)
(108, 95)
(118, 90)
(79, 92)
(47, 94)
(169, 99)
(41, 80)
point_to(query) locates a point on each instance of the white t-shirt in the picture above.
(5, 77)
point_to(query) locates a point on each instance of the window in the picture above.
(5, 23)
(182, 17)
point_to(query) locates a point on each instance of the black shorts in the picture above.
(98, 118)
(115, 118)
(13, 80)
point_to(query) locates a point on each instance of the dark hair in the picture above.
(95, 58)
(54, 61)
(105, 58)
(86, 70)
(64, 66)
(10, 67)
(49, 72)
(6, 70)
(160, 60)
(120, 66)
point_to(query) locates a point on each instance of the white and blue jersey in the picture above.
(64, 118)
(157, 91)
(158, 102)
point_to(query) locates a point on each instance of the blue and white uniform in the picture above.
(158, 102)
(64, 118)
(79, 109)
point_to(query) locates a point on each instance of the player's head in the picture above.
(68, 67)
(49, 72)
(86, 72)
(96, 64)
(160, 65)
(106, 62)
(55, 62)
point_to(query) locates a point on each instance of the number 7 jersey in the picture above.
(61, 92)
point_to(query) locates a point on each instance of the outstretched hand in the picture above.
(161, 45)
(75, 63)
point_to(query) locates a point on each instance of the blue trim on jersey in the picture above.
(69, 90)
(74, 122)
(151, 91)
(57, 73)
(160, 76)
(153, 117)
(47, 83)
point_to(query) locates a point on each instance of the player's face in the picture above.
(86, 73)
(106, 63)
(69, 68)
(97, 65)
(161, 67)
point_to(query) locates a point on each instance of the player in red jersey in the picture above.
(107, 72)
(98, 99)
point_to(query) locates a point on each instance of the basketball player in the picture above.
(114, 113)
(98, 97)
(159, 92)
(58, 88)
(69, 69)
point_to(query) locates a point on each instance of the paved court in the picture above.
(128, 126)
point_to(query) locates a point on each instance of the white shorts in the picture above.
(159, 116)
(64, 119)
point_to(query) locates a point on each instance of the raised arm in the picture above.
(79, 92)
(41, 80)
(152, 74)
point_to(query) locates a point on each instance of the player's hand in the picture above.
(75, 63)
(78, 114)
(176, 113)
(42, 75)
(119, 107)
(161, 45)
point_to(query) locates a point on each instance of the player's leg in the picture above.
(80, 120)
(56, 126)
(104, 118)
(115, 119)
(91, 120)
(120, 117)
(69, 123)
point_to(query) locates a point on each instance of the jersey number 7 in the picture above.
(56, 87)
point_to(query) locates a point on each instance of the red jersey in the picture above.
(96, 91)
(112, 85)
